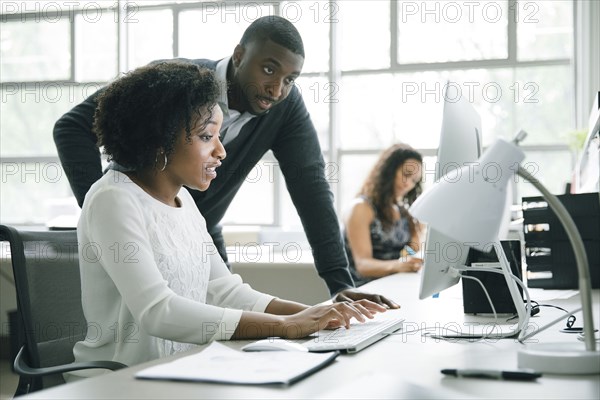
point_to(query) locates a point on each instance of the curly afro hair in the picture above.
(142, 113)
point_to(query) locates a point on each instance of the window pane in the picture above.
(417, 108)
(150, 37)
(254, 202)
(544, 30)
(439, 31)
(365, 34)
(29, 189)
(353, 172)
(552, 168)
(546, 107)
(48, 8)
(535, 99)
(95, 46)
(366, 112)
(35, 50)
(29, 111)
(290, 220)
(312, 19)
(318, 94)
(420, 103)
(213, 31)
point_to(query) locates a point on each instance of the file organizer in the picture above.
(548, 252)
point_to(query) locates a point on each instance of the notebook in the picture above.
(218, 363)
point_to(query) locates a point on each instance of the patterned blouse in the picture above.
(386, 244)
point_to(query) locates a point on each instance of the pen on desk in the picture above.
(522, 375)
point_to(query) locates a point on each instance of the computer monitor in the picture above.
(587, 172)
(460, 144)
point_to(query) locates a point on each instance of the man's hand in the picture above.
(355, 295)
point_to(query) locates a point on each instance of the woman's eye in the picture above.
(290, 81)
(206, 138)
(268, 70)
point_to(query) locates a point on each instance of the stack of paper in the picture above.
(219, 363)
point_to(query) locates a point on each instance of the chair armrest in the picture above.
(22, 369)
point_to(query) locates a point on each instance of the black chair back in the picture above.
(47, 281)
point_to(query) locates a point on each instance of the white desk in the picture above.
(401, 366)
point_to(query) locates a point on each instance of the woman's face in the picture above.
(407, 177)
(193, 163)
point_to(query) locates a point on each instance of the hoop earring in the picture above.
(165, 165)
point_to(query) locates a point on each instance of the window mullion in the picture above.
(393, 33)
(334, 75)
(511, 28)
(122, 37)
(73, 38)
(175, 12)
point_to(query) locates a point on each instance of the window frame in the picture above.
(333, 152)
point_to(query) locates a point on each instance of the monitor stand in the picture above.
(498, 331)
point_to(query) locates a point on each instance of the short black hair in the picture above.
(144, 111)
(277, 29)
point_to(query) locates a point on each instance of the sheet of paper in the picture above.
(219, 363)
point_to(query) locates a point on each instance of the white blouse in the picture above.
(152, 281)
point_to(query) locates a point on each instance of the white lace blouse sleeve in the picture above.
(116, 221)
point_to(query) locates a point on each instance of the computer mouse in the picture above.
(274, 344)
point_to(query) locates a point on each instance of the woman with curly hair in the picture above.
(153, 283)
(379, 231)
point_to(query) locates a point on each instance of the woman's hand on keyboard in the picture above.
(329, 316)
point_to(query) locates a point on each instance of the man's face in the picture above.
(263, 75)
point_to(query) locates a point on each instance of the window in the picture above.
(512, 60)
(374, 74)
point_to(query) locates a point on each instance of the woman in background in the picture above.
(379, 233)
(152, 281)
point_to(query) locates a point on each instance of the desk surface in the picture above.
(406, 365)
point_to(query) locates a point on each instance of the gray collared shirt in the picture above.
(233, 120)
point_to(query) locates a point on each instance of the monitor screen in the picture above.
(460, 144)
(587, 172)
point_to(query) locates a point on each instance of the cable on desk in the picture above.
(525, 323)
(486, 294)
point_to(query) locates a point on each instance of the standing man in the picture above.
(263, 111)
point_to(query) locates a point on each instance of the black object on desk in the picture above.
(548, 252)
(519, 375)
(474, 298)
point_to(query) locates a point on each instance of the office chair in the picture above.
(46, 271)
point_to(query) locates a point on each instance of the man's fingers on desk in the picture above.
(381, 300)
(355, 295)
(371, 306)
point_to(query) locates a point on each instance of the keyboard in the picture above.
(358, 337)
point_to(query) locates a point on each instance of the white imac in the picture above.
(460, 144)
(587, 172)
